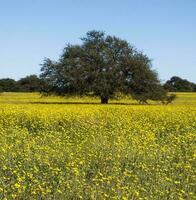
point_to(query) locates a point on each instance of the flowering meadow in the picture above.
(93, 151)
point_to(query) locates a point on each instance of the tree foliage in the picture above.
(102, 66)
(8, 85)
(30, 83)
(177, 84)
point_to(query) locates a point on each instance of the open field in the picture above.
(93, 151)
(24, 98)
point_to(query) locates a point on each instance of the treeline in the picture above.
(33, 83)
(30, 83)
(177, 84)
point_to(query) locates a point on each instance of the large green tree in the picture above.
(102, 66)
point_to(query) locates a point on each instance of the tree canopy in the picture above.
(102, 65)
(8, 85)
(177, 84)
(31, 83)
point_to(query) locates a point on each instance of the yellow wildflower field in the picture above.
(93, 151)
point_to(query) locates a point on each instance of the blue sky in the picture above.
(33, 29)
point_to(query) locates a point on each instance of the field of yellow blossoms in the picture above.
(92, 151)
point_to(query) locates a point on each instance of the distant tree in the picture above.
(194, 88)
(30, 83)
(102, 66)
(1, 89)
(9, 85)
(177, 84)
(193, 85)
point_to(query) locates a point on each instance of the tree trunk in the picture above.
(104, 100)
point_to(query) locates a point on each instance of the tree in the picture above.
(177, 84)
(30, 84)
(102, 66)
(194, 88)
(8, 85)
(1, 89)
